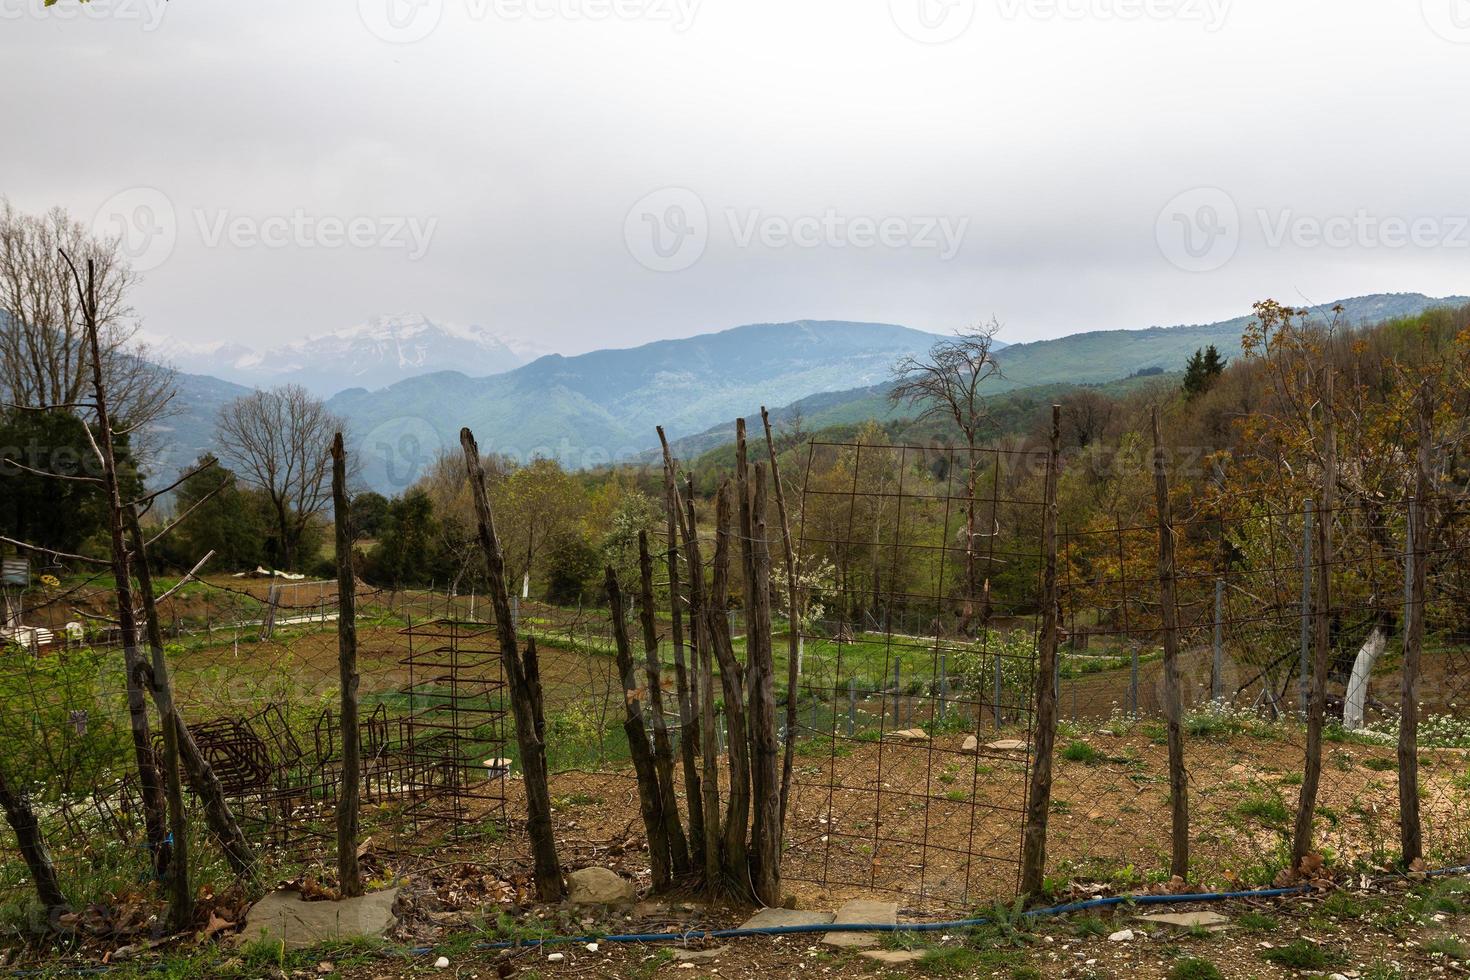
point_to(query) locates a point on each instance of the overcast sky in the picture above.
(591, 173)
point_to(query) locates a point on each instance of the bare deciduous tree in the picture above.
(275, 441)
(947, 385)
(45, 359)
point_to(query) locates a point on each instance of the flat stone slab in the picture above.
(893, 957)
(1007, 745)
(1213, 921)
(861, 910)
(699, 955)
(910, 735)
(767, 918)
(285, 917)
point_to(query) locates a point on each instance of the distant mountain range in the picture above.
(603, 406)
(374, 354)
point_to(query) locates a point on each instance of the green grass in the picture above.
(1269, 810)
(1299, 955)
(1194, 968)
(1090, 927)
(1082, 752)
(1258, 922)
(1448, 945)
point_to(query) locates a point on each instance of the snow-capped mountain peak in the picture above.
(373, 354)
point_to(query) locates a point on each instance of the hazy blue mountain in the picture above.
(1045, 368)
(604, 405)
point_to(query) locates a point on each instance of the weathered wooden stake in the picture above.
(22, 819)
(1173, 701)
(1038, 804)
(180, 892)
(1301, 845)
(1416, 555)
(709, 740)
(349, 875)
(765, 762)
(733, 861)
(689, 735)
(650, 795)
(663, 749)
(794, 624)
(524, 688)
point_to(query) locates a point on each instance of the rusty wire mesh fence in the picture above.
(914, 739)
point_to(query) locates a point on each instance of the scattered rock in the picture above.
(591, 947)
(699, 955)
(971, 746)
(1121, 936)
(555, 957)
(766, 918)
(894, 957)
(442, 963)
(910, 735)
(284, 917)
(598, 886)
(859, 911)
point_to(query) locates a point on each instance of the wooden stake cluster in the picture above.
(1416, 555)
(736, 849)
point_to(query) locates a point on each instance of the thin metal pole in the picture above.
(1217, 676)
(1133, 679)
(996, 706)
(897, 692)
(1305, 684)
(851, 705)
(943, 683)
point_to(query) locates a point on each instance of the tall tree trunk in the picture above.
(650, 795)
(22, 820)
(734, 864)
(349, 875)
(663, 750)
(1173, 702)
(1302, 835)
(689, 738)
(1038, 798)
(794, 623)
(765, 779)
(181, 894)
(150, 783)
(524, 688)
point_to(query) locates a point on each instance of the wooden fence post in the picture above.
(733, 862)
(765, 763)
(524, 687)
(1416, 556)
(1173, 702)
(1301, 845)
(22, 819)
(1038, 803)
(794, 618)
(349, 875)
(701, 631)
